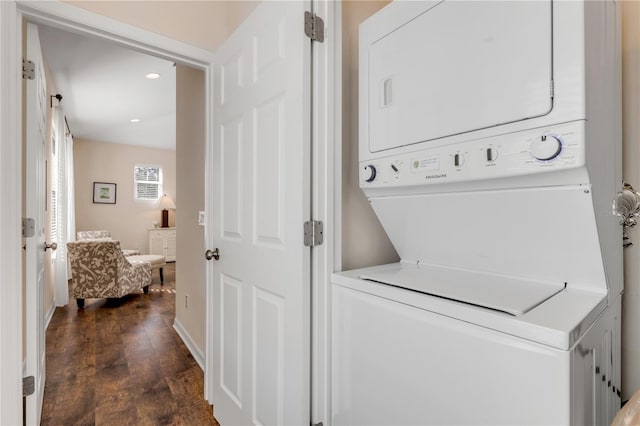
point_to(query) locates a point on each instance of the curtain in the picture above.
(71, 194)
(65, 215)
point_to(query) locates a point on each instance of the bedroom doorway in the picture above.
(141, 41)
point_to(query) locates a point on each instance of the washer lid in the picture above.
(548, 235)
(514, 296)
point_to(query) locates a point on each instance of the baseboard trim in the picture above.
(197, 354)
(50, 313)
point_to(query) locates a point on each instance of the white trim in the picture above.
(209, 208)
(49, 316)
(335, 169)
(326, 181)
(10, 218)
(70, 18)
(196, 352)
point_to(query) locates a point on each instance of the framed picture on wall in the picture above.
(104, 193)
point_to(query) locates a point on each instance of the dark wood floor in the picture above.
(119, 362)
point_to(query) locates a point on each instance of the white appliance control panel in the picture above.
(521, 153)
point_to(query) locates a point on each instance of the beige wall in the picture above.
(204, 24)
(127, 220)
(364, 242)
(631, 174)
(237, 12)
(190, 155)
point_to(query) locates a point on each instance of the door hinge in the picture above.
(28, 69)
(551, 89)
(28, 227)
(313, 233)
(28, 386)
(313, 26)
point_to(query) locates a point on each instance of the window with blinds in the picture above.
(148, 182)
(54, 215)
(54, 189)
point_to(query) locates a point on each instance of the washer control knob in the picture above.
(458, 160)
(369, 173)
(546, 147)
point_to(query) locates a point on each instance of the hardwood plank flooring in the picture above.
(119, 362)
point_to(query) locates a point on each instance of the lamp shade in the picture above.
(166, 203)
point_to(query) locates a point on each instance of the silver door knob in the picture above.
(212, 254)
(52, 246)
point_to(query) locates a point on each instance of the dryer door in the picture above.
(457, 67)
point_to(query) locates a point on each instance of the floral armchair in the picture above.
(93, 235)
(102, 235)
(99, 269)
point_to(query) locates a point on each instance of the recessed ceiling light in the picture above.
(152, 75)
(135, 120)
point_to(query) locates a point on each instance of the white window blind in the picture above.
(54, 215)
(148, 182)
(54, 188)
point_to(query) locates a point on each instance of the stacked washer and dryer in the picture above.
(490, 150)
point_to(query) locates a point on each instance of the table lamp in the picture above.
(166, 203)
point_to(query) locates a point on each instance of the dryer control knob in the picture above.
(546, 147)
(369, 173)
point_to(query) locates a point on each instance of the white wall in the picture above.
(128, 220)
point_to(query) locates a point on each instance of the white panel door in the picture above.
(260, 330)
(35, 206)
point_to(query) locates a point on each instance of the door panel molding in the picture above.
(270, 92)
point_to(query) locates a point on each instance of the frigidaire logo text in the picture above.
(441, 175)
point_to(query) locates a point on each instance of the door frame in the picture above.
(326, 198)
(70, 18)
(10, 219)
(34, 201)
(326, 178)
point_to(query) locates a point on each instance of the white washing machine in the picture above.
(490, 150)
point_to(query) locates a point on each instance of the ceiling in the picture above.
(103, 87)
